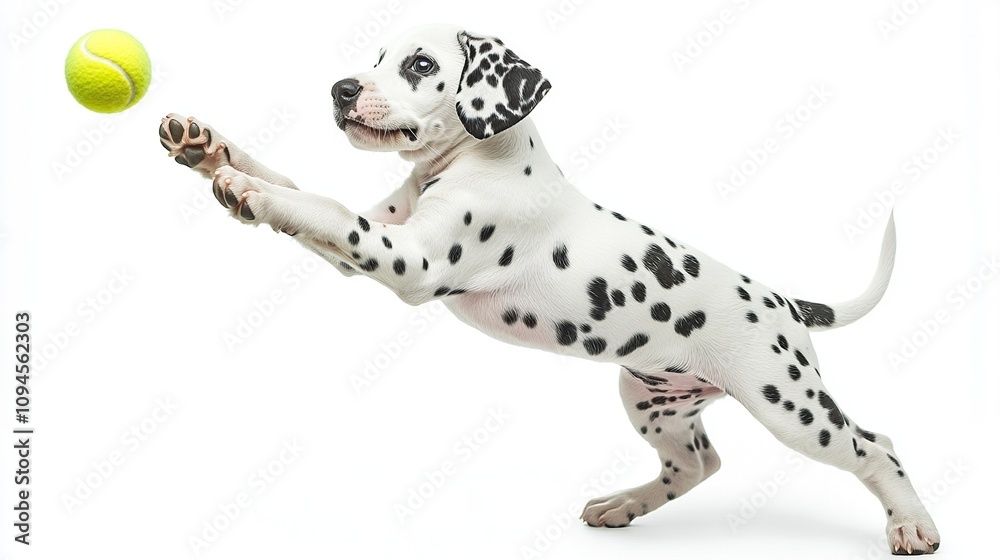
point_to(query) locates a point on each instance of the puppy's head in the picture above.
(433, 86)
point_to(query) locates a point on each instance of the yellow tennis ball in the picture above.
(108, 71)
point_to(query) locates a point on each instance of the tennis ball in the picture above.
(108, 71)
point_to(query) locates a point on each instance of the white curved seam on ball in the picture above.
(113, 64)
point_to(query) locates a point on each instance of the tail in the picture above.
(818, 316)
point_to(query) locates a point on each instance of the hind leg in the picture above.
(666, 411)
(787, 395)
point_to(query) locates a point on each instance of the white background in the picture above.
(193, 275)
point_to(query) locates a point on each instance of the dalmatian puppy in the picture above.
(572, 277)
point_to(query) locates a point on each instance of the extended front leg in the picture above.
(418, 260)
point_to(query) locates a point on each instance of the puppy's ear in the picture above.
(497, 88)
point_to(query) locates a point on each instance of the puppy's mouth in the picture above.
(363, 131)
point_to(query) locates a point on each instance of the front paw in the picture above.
(192, 143)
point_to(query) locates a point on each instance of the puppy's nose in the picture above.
(345, 92)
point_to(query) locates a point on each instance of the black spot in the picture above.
(835, 416)
(691, 265)
(399, 266)
(467, 218)
(639, 292)
(425, 264)
(657, 262)
(900, 473)
(507, 256)
(824, 438)
(660, 312)
(363, 223)
(658, 400)
(353, 238)
(618, 297)
(595, 346)
(768, 303)
(775, 349)
(454, 253)
(369, 265)
(893, 459)
(691, 413)
(669, 242)
(690, 447)
(619, 216)
(745, 279)
(778, 299)
(670, 412)
(643, 429)
(647, 231)
(665, 480)
(486, 232)
(783, 342)
(704, 441)
(795, 374)
(805, 417)
(527, 170)
(392, 209)
(429, 184)
(560, 256)
(386, 242)
(566, 333)
(637, 341)
(628, 263)
(789, 405)
(654, 415)
(678, 369)
(531, 142)
(671, 495)
(771, 393)
(801, 358)
(867, 435)
(742, 293)
(643, 405)
(585, 328)
(795, 314)
(857, 450)
(888, 512)
(530, 320)
(510, 316)
(598, 206)
(599, 300)
(815, 314)
(440, 87)
(752, 317)
(687, 324)
(441, 291)
(810, 393)
(478, 104)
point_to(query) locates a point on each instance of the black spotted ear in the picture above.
(497, 88)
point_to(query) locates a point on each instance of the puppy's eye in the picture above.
(423, 65)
